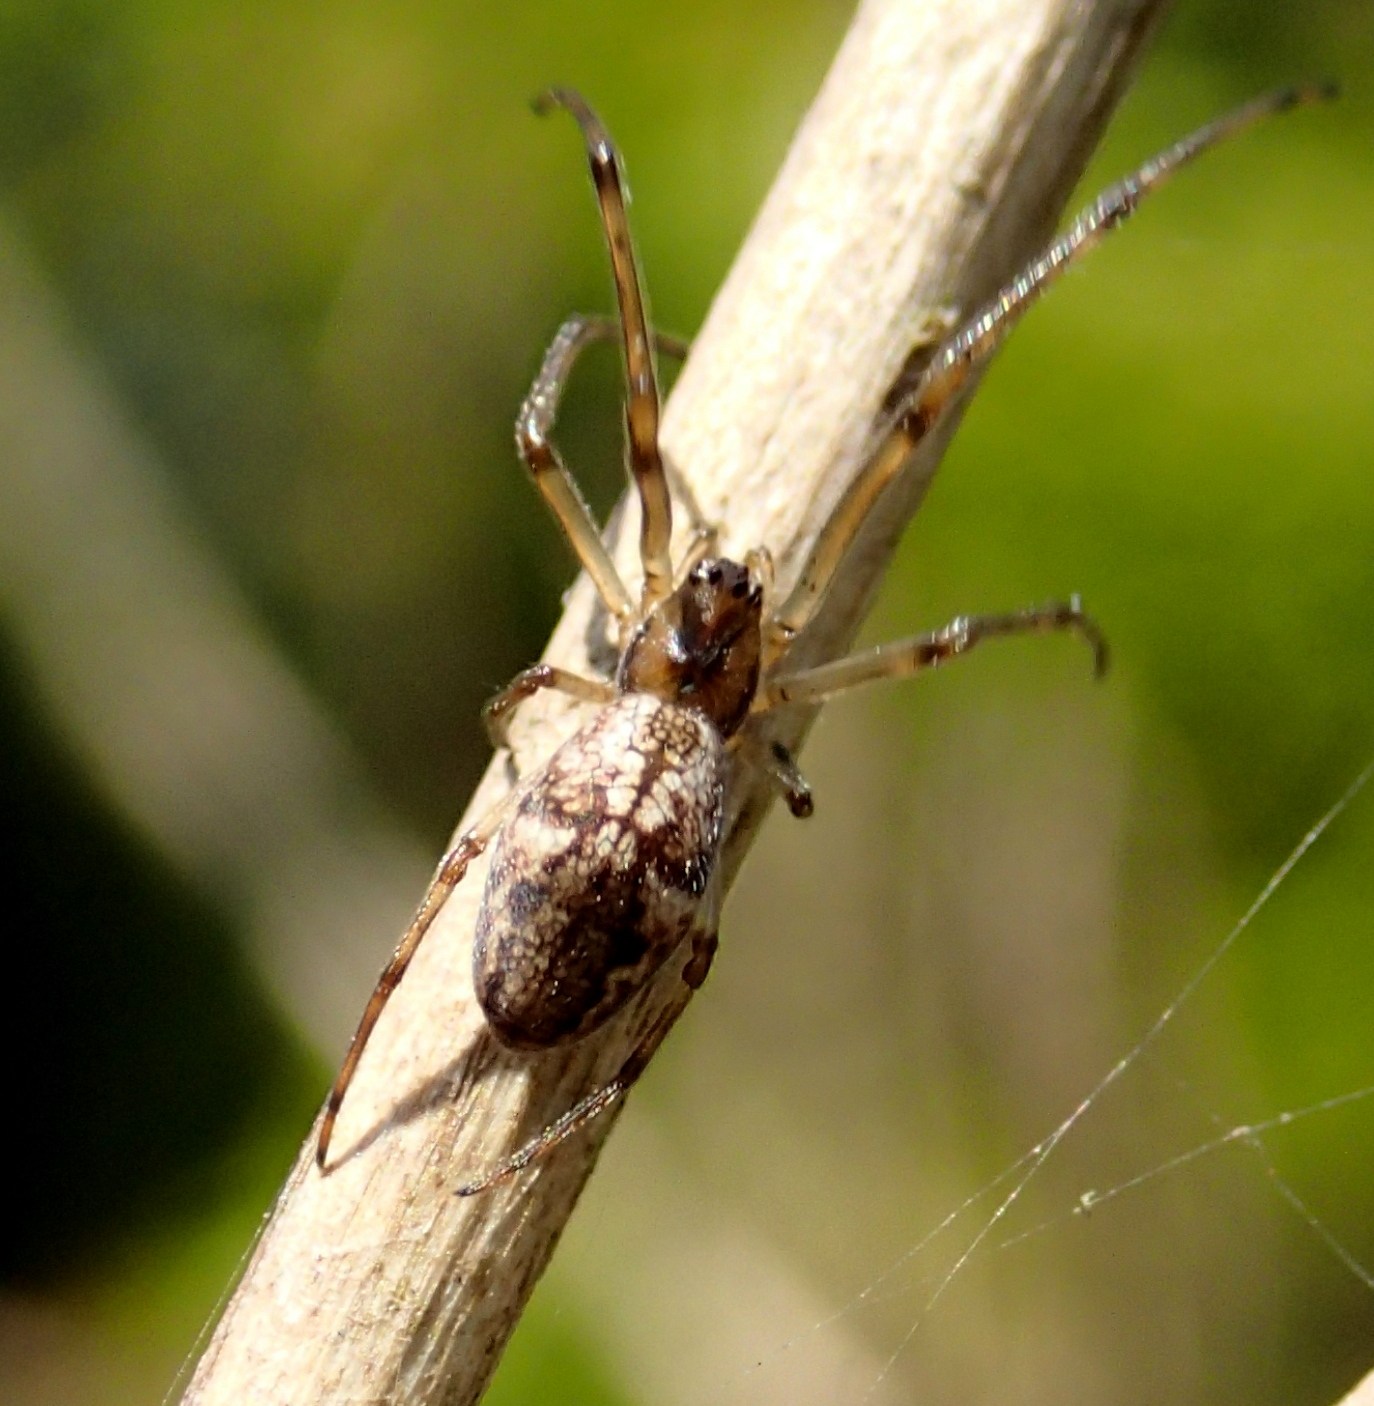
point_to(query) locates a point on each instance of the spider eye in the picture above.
(740, 589)
(714, 574)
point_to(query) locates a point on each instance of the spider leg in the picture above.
(642, 405)
(779, 766)
(581, 1113)
(446, 878)
(758, 561)
(699, 546)
(496, 714)
(906, 657)
(905, 426)
(534, 440)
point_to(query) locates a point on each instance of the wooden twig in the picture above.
(936, 158)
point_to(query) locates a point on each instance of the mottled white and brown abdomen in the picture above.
(600, 872)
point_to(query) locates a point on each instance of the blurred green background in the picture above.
(273, 281)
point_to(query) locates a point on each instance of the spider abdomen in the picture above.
(601, 871)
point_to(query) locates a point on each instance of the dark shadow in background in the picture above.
(137, 1043)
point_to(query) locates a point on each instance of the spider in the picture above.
(603, 863)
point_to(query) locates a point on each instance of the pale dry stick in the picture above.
(1362, 1394)
(935, 160)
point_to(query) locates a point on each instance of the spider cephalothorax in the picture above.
(702, 646)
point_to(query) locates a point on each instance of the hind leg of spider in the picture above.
(446, 878)
(643, 404)
(956, 361)
(534, 439)
(497, 713)
(910, 656)
(581, 1113)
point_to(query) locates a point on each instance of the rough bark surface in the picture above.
(937, 156)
